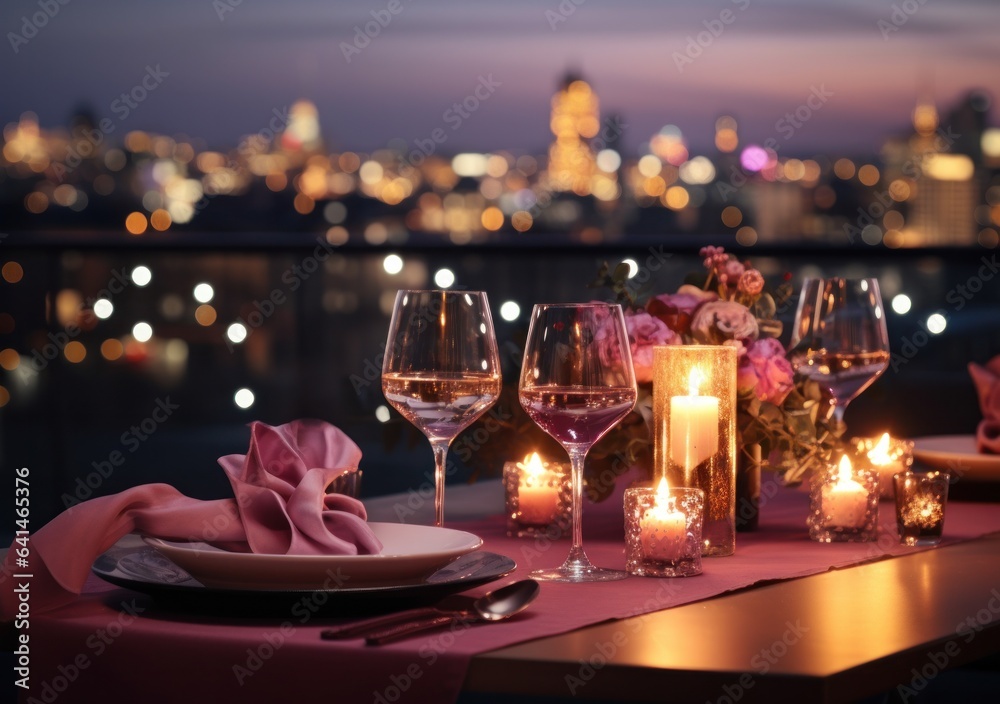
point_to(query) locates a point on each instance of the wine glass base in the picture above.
(577, 573)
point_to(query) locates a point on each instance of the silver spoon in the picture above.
(495, 606)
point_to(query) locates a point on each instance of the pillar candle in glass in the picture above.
(887, 456)
(538, 496)
(844, 504)
(694, 427)
(663, 530)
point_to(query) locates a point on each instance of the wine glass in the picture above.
(840, 339)
(576, 383)
(441, 369)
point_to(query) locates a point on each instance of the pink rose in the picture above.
(644, 333)
(718, 321)
(765, 370)
(676, 309)
(751, 282)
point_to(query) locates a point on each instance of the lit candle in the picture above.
(537, 492)
(694, 425)
(662, 528)
(886, 464)
(845, 502)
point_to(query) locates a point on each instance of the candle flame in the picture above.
(533, 465)
(880, 453)
(663, 502)
(844, 470)
(696, 379)
(662, 490)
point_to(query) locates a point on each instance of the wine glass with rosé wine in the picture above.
(840, 338)
(441, 369)
(576, 383)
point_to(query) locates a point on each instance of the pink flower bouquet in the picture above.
(727, 304)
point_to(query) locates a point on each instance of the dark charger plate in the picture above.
(132, 564)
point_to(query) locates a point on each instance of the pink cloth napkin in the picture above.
(281, 507)
(987, 381)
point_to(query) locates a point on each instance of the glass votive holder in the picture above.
(844, 504)
(663, 531)
(887, 456)
(539, 498)
(920, 504)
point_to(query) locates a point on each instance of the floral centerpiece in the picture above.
(789, 416)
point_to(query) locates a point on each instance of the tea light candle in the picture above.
(920, 505)
(845, 502)
(694, 425)
(663, 529)
(537, 491)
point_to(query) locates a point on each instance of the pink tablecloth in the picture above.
(114, 645)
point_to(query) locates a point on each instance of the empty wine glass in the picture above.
(441, 369)
(576, 383)
(840, 339)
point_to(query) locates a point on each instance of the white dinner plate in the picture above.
(408, 553)
(957, 453)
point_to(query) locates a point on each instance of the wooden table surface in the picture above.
(832, 637)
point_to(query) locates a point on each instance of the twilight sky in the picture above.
(226, 76)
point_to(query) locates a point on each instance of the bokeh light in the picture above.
(243, 398)
(12, 272)
(901, 303)
(936, 323)
(510, 311)
(103, 308)
(141, 276)
(237, 333)
(74, 352)
(392, 264)
(205, 315)
(444, 278)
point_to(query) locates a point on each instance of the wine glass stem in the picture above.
(440, 449)
(577, 457)
(839, 408)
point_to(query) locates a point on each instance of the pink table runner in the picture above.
(114, 645)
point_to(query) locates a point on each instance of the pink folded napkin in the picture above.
(987, 381)
(281, 507)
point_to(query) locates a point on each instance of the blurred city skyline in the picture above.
(391, 69)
